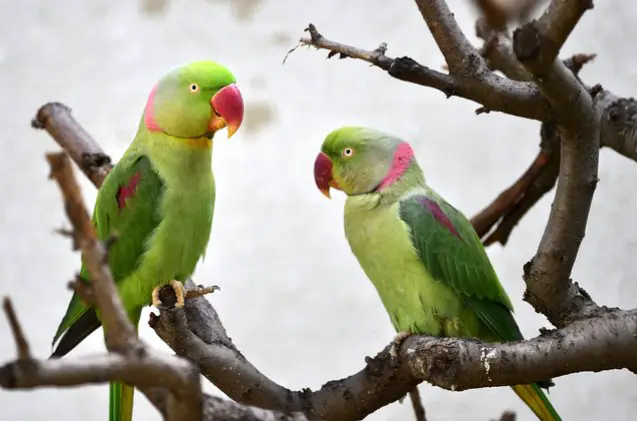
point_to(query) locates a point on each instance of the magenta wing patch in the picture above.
(128, 190)
(438, 214)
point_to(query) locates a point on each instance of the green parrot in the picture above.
(423, 256)
(159, 200)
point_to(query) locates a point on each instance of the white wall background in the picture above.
(293, 297)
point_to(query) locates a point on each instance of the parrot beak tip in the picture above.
(323, 174)
(326, 192)
(228, 107)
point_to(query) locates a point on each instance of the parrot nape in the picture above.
(159, 200)
(423, 256)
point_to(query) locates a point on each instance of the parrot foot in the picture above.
(397, 342)
(180, 293)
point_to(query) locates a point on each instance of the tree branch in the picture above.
(488, 89)
(619, 118)
(508, 200)
(547, 275)
(451, 363)
(553, 29)
(57, 120)
(114, 318)
(148, 370)
(136, 362)
(462, 58)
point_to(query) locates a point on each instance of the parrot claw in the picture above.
(397, 342)
(180, 293)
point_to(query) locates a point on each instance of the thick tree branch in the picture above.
(217, 409)
(536, 45)
(554, 27)
(451, 363)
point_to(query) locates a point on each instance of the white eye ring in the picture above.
(193, 88)
(347, 152)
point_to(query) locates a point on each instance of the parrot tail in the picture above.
(120, 399)
(537, 401)
(120, 405)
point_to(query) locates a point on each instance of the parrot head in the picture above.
(359, 160)
(195, 100)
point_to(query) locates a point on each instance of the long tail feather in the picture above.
(120, 406)
(121, 402)
(537, 401)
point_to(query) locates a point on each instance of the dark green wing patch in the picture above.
(453, 254)
(130, 207)
(128, 203)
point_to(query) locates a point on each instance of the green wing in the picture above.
(453, 253)
(128, 204)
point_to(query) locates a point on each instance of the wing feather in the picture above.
(128, 204)
(453, 253)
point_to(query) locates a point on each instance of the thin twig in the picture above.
(200, 291)
(416, 403)
(492, 91)
(22, 345)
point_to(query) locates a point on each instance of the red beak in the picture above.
(228, 109)
(323, 174)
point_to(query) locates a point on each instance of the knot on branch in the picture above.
(94, 161)
(403, 66)
(49, 111)
(526, 42)
(621, 112)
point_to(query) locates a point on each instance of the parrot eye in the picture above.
(193, 88)
(347, 152)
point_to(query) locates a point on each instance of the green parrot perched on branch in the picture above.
(422, 255)
(159, 200)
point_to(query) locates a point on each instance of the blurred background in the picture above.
(293, 298)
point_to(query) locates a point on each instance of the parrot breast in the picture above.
(414, 300)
